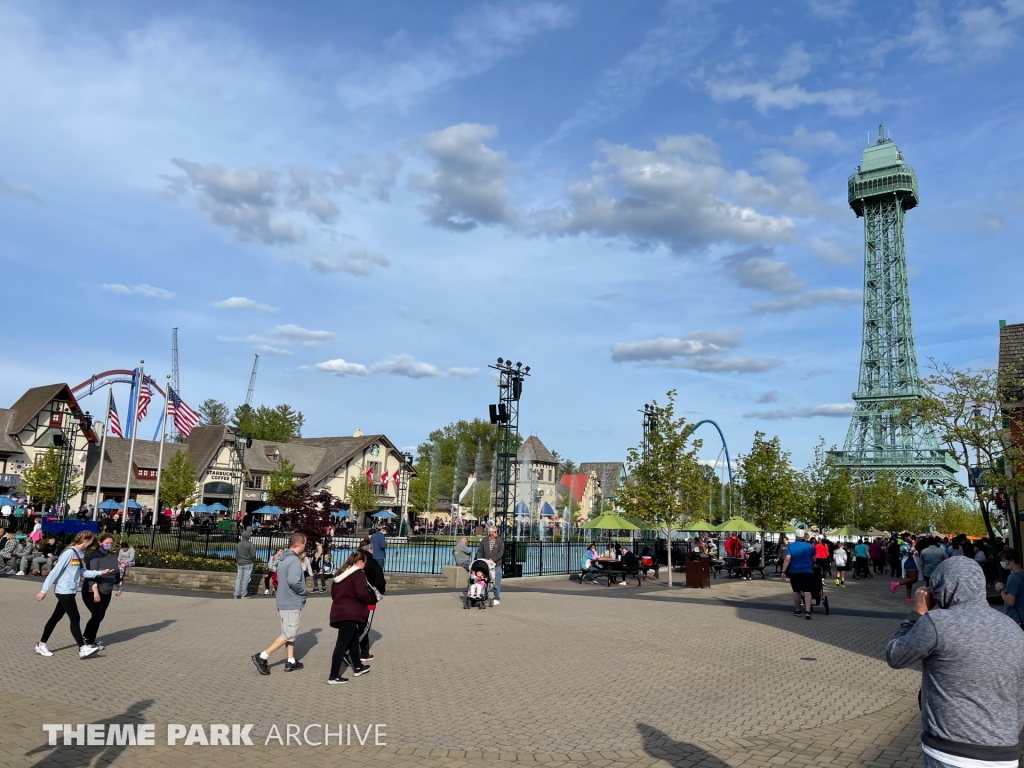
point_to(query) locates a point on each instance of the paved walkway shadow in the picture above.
(123, 635)
(61, 756)
(305, 642)
(660, 745)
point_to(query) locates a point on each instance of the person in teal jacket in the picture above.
(66, 574)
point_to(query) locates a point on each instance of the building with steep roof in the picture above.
(610, 475)
(535, 471)
(585, 490)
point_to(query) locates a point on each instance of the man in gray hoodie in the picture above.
(291, 598)
(972, 670)
(245, 558)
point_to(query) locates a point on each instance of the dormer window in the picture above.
(273, 454)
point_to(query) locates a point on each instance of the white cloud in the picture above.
(676, 194)
(979, 32)
(698, 351)
(399, 365)
(142, 289)
(755, 268)
(796, 63)
(360, 262)
(469, 185)
(771, 396)
(809, 300)
(833, 410)
(805, 139)
(479, 40)
(831, 9)
(240, 302)
(18, 190)
(832, 253)
(766, 95)
(293, 336)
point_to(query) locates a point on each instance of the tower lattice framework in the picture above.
(882, 190)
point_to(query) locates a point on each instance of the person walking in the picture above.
(1012, 591)
(783, 546)
(64, 577)
(821, 557)
(377, 587)
(271, 570)
(492, 548)
(380, 546)
(972, 712)
(877, 554)
(910, 571)
(245, 559)
(350, 599)
(862, 554)
(291, 599)
(96, 592)
(932, 555)
(893, 552)
(799, 567)
(842, 559)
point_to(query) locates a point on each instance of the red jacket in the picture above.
(821, 550)
(350, 598)
(734, 547)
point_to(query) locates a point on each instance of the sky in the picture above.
(380, 201)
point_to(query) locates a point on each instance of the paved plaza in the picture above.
(560, 674)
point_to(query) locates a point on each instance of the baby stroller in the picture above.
(818, 596)
(471, 598)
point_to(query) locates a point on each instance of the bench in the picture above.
(611, 573)
(744, 571)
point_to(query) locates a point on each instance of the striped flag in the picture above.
(145, 395)
(184, 417)
(115, 422)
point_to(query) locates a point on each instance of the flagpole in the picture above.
(103, 452)
(160, 461)
(131, 449)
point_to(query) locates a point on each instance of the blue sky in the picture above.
(626, 197)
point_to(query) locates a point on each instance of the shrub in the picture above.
(148, 558)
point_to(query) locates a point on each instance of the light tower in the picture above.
(882, 190)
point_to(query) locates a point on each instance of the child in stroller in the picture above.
(818, 596)
(476, 595)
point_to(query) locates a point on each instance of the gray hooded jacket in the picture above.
(291, 582)
(972, 664)
(245, 551)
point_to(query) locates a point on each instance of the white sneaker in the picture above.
(97, 645)
(42, 650)
(496, 602)
(20, 573)
(86, 651)
(266, 591)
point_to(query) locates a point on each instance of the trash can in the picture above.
(698, 573)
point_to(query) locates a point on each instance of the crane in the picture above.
(252, 380)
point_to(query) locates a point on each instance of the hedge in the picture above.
(148, 558)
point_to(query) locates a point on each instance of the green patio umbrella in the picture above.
(609, 521)
(737, 525)
(848, 530)
(699, 526)
(642, 525)
(785, 529)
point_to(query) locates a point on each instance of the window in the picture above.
(551, 475)
(56, 419)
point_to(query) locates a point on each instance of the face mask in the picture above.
(1004, 565)
(106, 547)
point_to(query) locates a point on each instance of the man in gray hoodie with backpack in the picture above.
(972, 670)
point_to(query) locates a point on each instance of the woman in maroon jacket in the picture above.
(350, 598)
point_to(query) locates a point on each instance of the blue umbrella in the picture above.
(110, 504)
(7, 501)
(385, 513)
(522, 510)
(340, 513)
(269, 511)
(133, 504)
(216, 507)
(546, 510)
(199, 508)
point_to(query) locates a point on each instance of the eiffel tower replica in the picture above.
(882, 190)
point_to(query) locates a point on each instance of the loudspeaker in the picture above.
(502, 413)
(494, 413)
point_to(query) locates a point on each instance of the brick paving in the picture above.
(560, 675)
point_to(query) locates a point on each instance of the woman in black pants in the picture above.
(96, 592)
(374, 574)
(350, 597)
(66, 573)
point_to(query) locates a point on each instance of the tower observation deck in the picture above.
(881, 192)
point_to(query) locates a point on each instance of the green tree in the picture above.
(827, 490)
(310, 511)
(278, 424)
(179, 488)
(768, 484)
(954, 515)
(361, 496)
(213, 412)
(669, 485)
(964, 407)
(41, 479)
(281, 479)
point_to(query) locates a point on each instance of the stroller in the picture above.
(473, 599)
(818, 596)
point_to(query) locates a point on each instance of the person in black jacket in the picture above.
(96, 592)
(374, 574)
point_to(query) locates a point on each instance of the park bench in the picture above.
(612, 572)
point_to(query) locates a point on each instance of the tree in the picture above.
(179, 488)
(669, 486)
(213, 412)
(964, 408)
(41, 479)
(953, 516)
(768, 484)
(278, 425)
(892, 506)
(361, 496)
(281, 479)
(827, 490)
(310, 511)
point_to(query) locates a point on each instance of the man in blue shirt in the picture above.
(799, 567)
(380, 545)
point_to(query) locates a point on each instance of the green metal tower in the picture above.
(882, 190)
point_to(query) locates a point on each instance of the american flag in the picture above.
(115, 422)
(145, 395)
(184, 417)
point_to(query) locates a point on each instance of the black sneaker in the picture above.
(292, 666)
(798, 613)
(367, 657)
(337, 680)
(261, 664)
(808, 617)
(361, 671)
